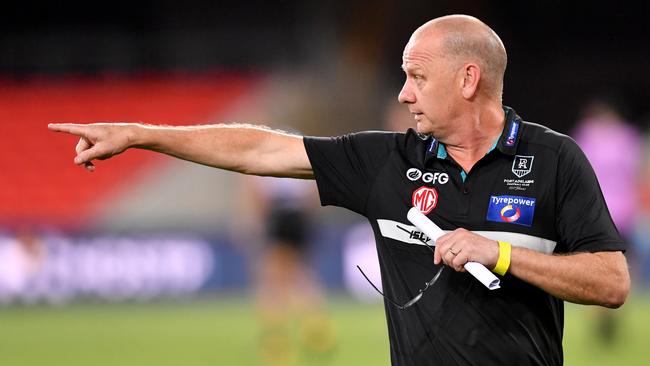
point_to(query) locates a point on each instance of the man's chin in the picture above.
(423, 127)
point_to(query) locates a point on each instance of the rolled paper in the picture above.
(484, 275)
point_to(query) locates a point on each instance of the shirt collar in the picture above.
(506, 143)
(509, 139)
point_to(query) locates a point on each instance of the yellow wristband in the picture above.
(504, 258)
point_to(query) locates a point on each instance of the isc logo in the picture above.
(425, 199)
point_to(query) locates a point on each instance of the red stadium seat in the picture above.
(39, 182)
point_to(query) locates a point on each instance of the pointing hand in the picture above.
(96, 141)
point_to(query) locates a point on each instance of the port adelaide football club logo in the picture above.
(522, 165)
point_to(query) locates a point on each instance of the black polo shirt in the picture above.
(534, 188)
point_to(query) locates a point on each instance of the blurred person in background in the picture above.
(642, 232)
(641, 235)
(614, 149)
(454, 68)
(21, 259)
(289, 296)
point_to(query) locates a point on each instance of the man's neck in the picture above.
(475, 136)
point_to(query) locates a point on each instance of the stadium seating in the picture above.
(39, 183)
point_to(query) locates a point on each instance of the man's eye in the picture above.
(418, 77)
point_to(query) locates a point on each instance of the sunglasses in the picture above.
(421, 292)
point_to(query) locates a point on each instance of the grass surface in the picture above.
(224, 332)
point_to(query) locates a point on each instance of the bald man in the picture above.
(514, 196)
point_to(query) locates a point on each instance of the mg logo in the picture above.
(425, 199)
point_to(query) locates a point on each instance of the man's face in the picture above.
(429, 89)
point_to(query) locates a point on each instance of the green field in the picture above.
(224, 332)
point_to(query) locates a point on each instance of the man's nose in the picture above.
(406, 95)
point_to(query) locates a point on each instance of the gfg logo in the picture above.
(414, 174)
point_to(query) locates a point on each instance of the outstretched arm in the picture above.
(241, 148)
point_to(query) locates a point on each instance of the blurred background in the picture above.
(155, 261)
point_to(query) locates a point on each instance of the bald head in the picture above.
(463, 38)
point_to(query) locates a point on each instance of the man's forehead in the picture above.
(418, 52)
(424, 43)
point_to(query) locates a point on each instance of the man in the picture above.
(515, 196)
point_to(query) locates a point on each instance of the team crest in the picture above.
(522, 165)
(425, 199)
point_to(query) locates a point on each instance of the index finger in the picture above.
(73, 128)
(437, 255)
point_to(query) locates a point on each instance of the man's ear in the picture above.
(471, 74)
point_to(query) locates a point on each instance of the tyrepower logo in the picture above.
(425, 199)
(509, 213)
(511, 209)
(414, 174)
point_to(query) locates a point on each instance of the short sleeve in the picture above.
(345, 166)
(582, 219)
